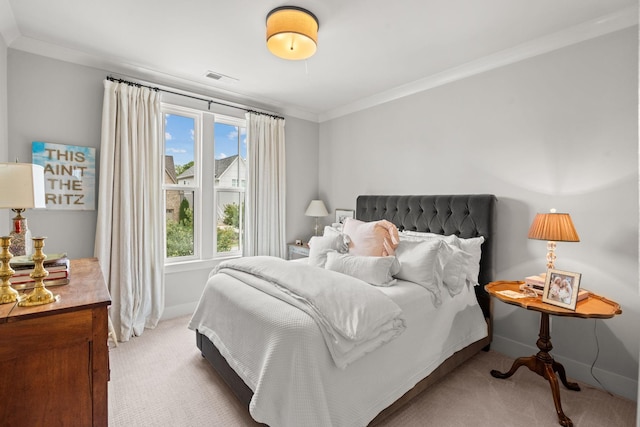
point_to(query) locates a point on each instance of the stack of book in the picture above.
(536, 284)
(56, 264)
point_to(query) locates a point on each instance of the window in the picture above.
(204, 183)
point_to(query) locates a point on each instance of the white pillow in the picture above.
(334, 231)
(319, 246)
(373, 270)
(455, 265)
(473, 246)
(420, 263)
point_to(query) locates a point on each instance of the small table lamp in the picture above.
(553, 227)
(21, 187)
(317, 209)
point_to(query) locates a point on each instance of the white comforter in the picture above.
(360, 320)
(279, 352)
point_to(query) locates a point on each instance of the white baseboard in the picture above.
(179, 310)
(614, 383)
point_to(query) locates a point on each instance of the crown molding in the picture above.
(619, 20)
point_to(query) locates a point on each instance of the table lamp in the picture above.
(553, 227)
(316, 209)
(21, 187)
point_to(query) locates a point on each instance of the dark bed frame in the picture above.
(466, 216)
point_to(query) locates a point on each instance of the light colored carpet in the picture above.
(160, 379)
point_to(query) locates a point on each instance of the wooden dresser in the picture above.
(54, 358)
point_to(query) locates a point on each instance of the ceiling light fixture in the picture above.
(292, 32)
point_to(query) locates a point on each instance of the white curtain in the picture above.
(265, 210)
(130, 230)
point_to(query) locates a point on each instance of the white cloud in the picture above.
(176, 150)
(167, 136)
(192, 133)
(222, 156)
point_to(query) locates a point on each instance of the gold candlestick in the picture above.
(39, 295)
(7, 293)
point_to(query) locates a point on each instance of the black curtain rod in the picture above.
(208, 101)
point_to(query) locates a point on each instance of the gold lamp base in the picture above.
(7, 293)
(39, 295)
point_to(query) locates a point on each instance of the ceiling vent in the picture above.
(219, 76)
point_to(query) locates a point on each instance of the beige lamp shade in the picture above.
(556, 227)
(553, 227)
(21, 186)
(316, 208)
(292, 32)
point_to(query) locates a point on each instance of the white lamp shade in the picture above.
(316, 208)
(21, 186)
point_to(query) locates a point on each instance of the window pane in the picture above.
(230, 213)
(179, 214)
(231, 174)
(230, 145)
(178, 149)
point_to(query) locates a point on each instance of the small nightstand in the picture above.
(543, 364)
(298, 251)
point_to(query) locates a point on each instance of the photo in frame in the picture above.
(561, 288)
(342, 214)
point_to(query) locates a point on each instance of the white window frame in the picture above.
(205, 192)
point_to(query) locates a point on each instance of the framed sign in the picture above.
(69, 175)
(561, 288)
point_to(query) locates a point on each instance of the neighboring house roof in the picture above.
(221, 165)
(170, 168)
(186, 174)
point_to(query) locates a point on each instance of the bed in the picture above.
(284, 385)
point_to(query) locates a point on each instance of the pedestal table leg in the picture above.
(544, 365)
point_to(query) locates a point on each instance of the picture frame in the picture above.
(561, 288)
(342, 214)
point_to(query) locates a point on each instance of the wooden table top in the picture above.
(86, 288)
(594, 306)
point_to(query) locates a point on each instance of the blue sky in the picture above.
(179, 142)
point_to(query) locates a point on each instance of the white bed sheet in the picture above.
(280, 354)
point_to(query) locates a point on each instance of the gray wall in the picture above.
(4, 132)
(555, 131)
(58, 102)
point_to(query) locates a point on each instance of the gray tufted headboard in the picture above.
(465, 215)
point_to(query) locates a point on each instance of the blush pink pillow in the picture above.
(375, 238)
